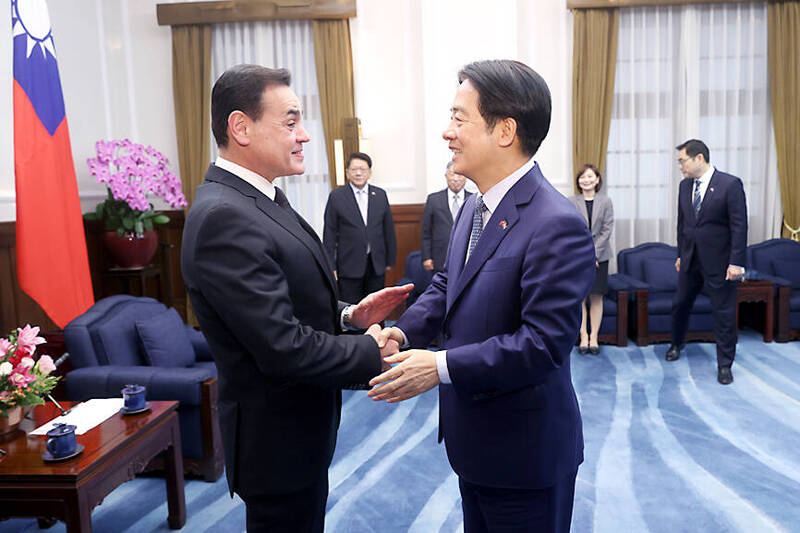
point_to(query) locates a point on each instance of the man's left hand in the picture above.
(416, 373)
(374, 307)
(734, 272)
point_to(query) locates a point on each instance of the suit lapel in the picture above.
(500, 224)
(707, 196)
(355, 211)
(283, 218)
(446, 202)
(582, 208)
(372, 208)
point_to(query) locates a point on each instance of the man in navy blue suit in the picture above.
(712, 237)
(520, 261)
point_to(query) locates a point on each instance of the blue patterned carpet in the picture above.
(667, 450)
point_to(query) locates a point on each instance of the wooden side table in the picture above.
(760, 291)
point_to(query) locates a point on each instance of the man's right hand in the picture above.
(678, 264)
(427, 264)
(390, 334)
(388, 347)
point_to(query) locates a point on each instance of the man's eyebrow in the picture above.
(295, 113)
(456, 109)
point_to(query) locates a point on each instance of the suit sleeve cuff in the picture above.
(441, 366)
(405, 339)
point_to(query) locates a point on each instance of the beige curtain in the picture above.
(191, 90)
(334, 62)
(594, 61)
(783, 23)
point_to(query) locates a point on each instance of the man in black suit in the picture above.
(359, 232)
(441, 209)
(712, 237)
(264, 293)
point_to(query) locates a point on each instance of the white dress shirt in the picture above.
(704, 180)
(458, 197)
(256, 180)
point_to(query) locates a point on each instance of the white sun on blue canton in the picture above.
(31, 18)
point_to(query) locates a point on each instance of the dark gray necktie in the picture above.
(696, 200)
(282, 201)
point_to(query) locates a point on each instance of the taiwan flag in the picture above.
(52, 265)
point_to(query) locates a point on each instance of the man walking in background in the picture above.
(712, 238)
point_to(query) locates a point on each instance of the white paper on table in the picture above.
(85, 415)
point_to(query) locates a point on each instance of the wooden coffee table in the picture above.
(114, 452)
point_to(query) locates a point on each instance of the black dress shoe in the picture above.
(724, 375)
(673, 353)
(583, 350)
(594, 350)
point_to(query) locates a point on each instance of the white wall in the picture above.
(116, 73)
(405, 83)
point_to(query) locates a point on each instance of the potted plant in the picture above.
(23, 378)
(131, 171)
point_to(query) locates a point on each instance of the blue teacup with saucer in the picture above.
(61, 443)
(134, 400)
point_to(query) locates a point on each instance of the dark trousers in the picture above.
(490, 509)
(353, 290)
(723, 296)
(296, 512)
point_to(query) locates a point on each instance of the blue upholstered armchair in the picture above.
(125, 339)
(649, 269)
(416, 274)
(778, 261)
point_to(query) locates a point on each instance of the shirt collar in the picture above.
(256, 180)
(356, 189)
(495, 195)
(706, 177)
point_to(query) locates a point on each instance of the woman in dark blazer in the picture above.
(598, 212)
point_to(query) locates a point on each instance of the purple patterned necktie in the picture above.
(696, 200)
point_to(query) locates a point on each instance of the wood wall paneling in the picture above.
(17, 308)
(605, 4)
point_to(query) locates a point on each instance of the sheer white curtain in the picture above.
(690, 72)
(283, 44)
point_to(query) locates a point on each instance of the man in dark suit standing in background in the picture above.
(359, 232)
(263, 291)
(712, 237)
(519, 264)
(441, 209)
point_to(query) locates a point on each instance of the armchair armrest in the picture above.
(634, 286)
(182, 384)
(758, 275)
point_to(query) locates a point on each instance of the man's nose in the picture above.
(448, 134)
(302, 135)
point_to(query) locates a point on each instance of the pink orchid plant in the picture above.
(24, 379)
(131, 171)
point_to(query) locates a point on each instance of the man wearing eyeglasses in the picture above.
(712, 237)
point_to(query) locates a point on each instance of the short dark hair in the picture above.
(694, 147)
(240, 89)
(447, 167)
(359, 155)
(583, 169)
(509, 88)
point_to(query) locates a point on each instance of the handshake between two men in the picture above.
(416, 372)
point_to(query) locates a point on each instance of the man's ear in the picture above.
(505, 132)
(239, 127)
